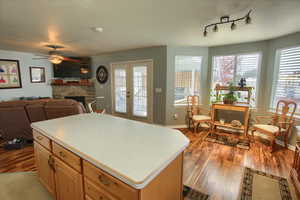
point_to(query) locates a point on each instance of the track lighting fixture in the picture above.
(225, 20)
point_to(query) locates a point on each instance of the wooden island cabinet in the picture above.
(70, 173)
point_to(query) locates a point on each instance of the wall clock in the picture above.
(102, 74)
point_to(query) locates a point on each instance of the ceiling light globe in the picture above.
(56, 59)
(205, 33)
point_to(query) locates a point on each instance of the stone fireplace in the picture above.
(82, 93)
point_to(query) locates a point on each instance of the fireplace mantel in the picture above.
(90, 84)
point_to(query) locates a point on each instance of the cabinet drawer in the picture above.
(67, 156)
(109, 183)
(41, 139)
(96, 192)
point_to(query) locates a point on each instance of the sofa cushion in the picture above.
(14, 123)
(62, 108)
(36, 112)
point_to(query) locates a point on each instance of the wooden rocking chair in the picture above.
(194, 116)
(281, 122)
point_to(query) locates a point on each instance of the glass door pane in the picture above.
(140, 91)
(120, 90)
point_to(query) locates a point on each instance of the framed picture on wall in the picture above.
(37, 75)
(10, 76)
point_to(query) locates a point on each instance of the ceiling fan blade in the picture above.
(71, 60)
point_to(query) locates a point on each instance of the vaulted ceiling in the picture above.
(27, 25)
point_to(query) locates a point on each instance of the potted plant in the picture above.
(230, 97)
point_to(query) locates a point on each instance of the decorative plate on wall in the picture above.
(102, 74)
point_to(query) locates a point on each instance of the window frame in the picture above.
(260, 55)
(200, 89)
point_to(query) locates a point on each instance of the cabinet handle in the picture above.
(104, 180)
(39, 137)
(51, 163)
(62, 154)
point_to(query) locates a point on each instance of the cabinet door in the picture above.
(68, 182)
(45, 172)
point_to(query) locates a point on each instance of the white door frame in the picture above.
(149, 90)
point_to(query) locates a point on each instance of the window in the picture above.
(232, 68)
(287, 81)
(187, 78)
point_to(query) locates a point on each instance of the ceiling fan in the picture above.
(54, 56)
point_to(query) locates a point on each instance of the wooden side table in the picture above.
(231, 107)
(295, 171)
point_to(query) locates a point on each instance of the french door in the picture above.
(132, 89)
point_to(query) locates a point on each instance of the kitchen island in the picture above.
(101, 157)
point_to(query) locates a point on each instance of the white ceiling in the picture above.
(27, 25)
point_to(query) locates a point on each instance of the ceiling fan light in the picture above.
(215, 29)
(56, 59)
(233, 26)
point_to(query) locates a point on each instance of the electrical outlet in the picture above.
(175, 116)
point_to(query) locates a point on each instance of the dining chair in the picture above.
(280, 124)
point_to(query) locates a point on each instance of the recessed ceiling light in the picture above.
(97, 29)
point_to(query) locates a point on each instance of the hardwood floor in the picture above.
(17, 160)
(217, 169)
(211, 168)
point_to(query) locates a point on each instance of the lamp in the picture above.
(248, 20)
(233, 26)
(56, 59)
(215, 28)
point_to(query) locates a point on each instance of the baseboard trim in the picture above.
(279, 142)
(177, 126)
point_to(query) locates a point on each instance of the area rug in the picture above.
(191, 194)
(26, 186)
(22, 186)
(260, 185)
(227, 140)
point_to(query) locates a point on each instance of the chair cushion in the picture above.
(201, 117)
(265, 127)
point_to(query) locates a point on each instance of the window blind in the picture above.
(288, 80)
(187, 78)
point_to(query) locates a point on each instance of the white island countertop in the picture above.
(131, 151)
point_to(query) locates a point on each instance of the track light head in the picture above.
(233, 26)
(248, 20)
(215, 29)
(205, 33)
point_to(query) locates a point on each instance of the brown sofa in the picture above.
(16, 116)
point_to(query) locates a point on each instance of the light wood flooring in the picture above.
(211, 168)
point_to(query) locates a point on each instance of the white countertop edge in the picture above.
(110, 171)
